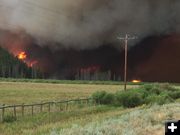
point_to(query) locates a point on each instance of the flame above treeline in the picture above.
(22, 55)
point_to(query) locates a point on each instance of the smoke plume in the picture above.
(84, 24)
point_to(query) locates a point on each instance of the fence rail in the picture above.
(52, 106)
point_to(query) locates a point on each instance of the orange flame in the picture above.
(136, 81)
(22, 56)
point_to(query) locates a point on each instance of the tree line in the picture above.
(12, 67)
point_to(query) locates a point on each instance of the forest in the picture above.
(12, 67)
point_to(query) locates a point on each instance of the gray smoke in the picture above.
(85, 24)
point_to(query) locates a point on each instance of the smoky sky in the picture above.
(84, 24)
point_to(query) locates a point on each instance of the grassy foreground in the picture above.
(102, 119)
(43, 123)
(143, 121)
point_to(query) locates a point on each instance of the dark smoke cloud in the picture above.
(156, 59)
(83, 24)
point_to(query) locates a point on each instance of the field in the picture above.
(101, 119)
(24, 92)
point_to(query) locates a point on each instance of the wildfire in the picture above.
(136, 81)
(22, 55)
(32, 63)
(29, 62)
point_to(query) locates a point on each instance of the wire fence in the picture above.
(22, 110)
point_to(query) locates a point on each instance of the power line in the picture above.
(31, 5)
(24, 9)
(43, 8)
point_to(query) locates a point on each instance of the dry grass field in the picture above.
(24, 92)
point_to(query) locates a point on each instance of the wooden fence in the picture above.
(21, 110)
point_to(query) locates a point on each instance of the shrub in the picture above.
(159, 99)
(158, 88)
(129, 98)
(174, 95)
(152, 89)
(98, 95)
(141, 91)
(103, 97)
(148, 94)
(167, 87)
(162, 89)
(108, 98)
(147, 87)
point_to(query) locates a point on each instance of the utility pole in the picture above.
(126, 38)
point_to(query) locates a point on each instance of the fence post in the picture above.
(23, 109)
(62, 106)
(49, 107)
(59, 107)
(67, 105)
(32, 110)
(99, 102)
(54, 106)
(82, 103)
(41, 107)
(3, 112)
(15, 111)
(87, 101)
(94, 101)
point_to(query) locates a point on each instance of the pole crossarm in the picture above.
(127, 37)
